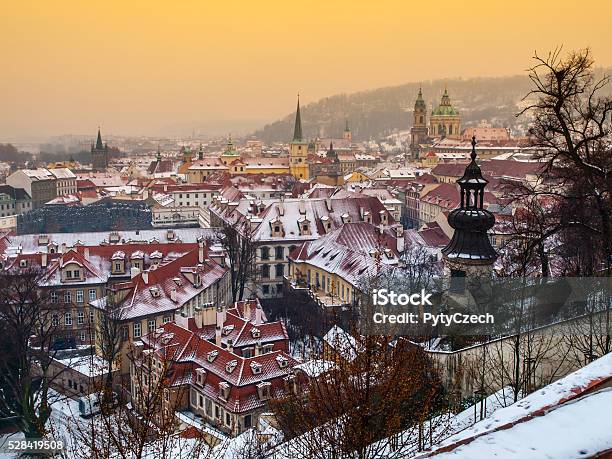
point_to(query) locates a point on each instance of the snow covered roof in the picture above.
(561, 396)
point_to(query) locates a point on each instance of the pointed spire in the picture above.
(99, 144)
(158, 153)
(297, 130)
(473, 153)
(346, 129)
(200, 152)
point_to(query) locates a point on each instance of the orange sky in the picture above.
(151, 67)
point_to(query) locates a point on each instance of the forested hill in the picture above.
(379, 112)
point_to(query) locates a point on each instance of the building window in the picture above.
(265, 289)
(80, 318)
(54, 298)
(137, 330)
(151, 325)
(68, 318)
(79, 296)
(280, 270)
(54, 320)
(265, 253)
(82, 336)
(92, 295)
(67, 297)
(91, 317)
(265, 271)
(247, 421)
(167, 319)
(280, 253)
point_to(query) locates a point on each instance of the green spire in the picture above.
(99, 144)
(297, 130)
(420, 102)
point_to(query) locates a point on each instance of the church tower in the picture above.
(298, 149)
(99, 154)
(469, 256)
(418, 132)
(347, 134)
(445, 120)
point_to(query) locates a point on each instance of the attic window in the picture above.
(256, 368)
(263, 390)
(227, 329)
(23, 263)
(224, 390)
(231, 365)
(165, 339)
(200, 376)
(255, 332)
(178, 281)
(282, 361)
(346, 218)
(155, 293)
(212, 355)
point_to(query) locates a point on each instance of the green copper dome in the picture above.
(445, 108)
(230, 150)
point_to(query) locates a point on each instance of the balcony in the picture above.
(324, 299)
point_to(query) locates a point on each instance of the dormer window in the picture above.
(165, 339)
(224, 390)
(326, 221)
(255, 332)
(263, 390)
(200, 376)
(212, 355)
(383, 216)
(282, 361)
(23, 263)
(256, 368)
(155, 292)
(227, 329)
(367, 217)
(304, 225)
(231, 365)
(346, 218)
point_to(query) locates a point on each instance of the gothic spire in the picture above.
(99, 144)
(297, 130)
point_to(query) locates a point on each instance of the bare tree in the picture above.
(370, 403)
(573, 130)
(237, 240)
(109, 339)
(27, 335)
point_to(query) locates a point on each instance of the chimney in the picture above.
(218, 335)
(258, 348)
(173, 295)
(220, 316)
(63, 248)
(145, 277)
(258, 314)
(43, 260)
(400, 244)
(328, 204)
(86, 253)
(198, 316)
(230, 345)
(134, 272)
(200, 252)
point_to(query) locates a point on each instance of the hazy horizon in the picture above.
(137, 69)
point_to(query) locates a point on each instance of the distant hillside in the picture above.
(379, 112)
